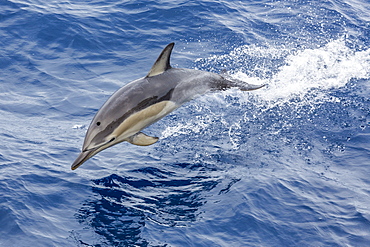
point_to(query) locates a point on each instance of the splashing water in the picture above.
(331, 66)
(298, 84)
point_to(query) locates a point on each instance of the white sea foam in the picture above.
(78, 126)
(184, 129)
(301, 74)
(324, 68)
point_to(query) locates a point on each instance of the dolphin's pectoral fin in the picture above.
(141, 139)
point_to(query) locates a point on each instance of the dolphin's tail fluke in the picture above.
(230, 82)
(243, 86)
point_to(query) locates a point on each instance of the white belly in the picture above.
(142, 119)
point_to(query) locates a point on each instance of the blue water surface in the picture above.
(286, 165)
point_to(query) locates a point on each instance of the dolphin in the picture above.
(144, 101)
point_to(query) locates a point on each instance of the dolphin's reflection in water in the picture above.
(122, 206)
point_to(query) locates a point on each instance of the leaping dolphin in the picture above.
(144, 101)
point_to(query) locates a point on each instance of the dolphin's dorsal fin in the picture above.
(163, 61)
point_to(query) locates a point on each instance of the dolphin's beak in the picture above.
(88, 153)
(84, 155)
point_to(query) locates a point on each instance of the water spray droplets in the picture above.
(304, 94)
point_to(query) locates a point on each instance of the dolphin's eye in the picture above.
(111, 140)
(98, 123)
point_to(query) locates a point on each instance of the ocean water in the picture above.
(286, 165)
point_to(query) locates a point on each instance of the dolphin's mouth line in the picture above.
(87, 153)
(99, 146)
